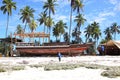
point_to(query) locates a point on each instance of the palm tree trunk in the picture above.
(70, 25)
(49, 23)
(7, 24)
(44, 32)
(25, 26)
(115, 36)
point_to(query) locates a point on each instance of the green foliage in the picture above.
(37, 65)
(2, 69)
(16, 68)
(62, 66)
(111, 72)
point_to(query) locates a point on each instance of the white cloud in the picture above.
(116, 4)
(60, 17)
(100, 17)
(117, 7)
(113, 2)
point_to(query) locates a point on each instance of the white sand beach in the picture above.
(82, 73)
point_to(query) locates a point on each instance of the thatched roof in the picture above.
(113, 43)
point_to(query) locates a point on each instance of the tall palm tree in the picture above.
(42, 20)
(75, 4)
(96, 31)
(108, 34)
(50, 7)
(7, 7)
(88, 32)
(78, 6)
(26, 14)
(115, 29)
(32, 25)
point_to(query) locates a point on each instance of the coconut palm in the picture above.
(32, 25)
(42, 19)
(59, 29)
(49, 23)
(56, 31)
(76, 35)
(88, 32)
(7, 7)
(26, 14)
(50, 7)
(115, 29)
(75, 5)
(79, 20)
(78, 6)
(108, 34)
(71, 11)
(96, 31)
(62, 27)
(19, 29)
(66, 37)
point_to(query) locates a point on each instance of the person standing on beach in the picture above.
(59, 56)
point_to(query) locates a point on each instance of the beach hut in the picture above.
(110, 48)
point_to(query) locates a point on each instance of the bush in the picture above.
(37, 65)
(2, 69)
(63, 66)
(18, 68)
(111, 72)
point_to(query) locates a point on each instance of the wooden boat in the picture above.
(48, 48)
(31, 49)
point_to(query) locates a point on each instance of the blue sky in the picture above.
(105, 12)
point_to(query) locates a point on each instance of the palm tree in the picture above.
(115, 29)
(75, 34)
(26, 14)
(75, 4)
(32, 25)
(42, 19)
(19, 29)
(56, 31)
(62, 27)
(59, 29)
(96, 31)
(66, 37)
(49, 23)
(79, 20)
(49, 6)
(88, 32)
(78, 6)
(108, 34)
(7, 7)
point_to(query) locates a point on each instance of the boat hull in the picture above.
(50, 50)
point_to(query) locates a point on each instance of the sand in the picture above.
(81, 73)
